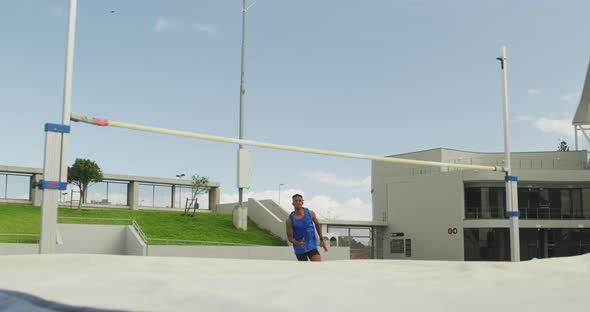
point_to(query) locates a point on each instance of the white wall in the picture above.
(225, 208)
(18, 249)
(91, 238)
(424, 209)
(242, 252)
(123, 240)
(134, 245)
(264, 217)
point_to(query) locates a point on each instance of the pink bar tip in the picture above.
(101, 122)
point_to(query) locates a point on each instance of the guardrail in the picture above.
(122, 220)
(139, 231)
(34, 238)
(164, 241)
(19, 238)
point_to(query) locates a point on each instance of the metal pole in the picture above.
(67, 94)
(54, 164)
(242, 90)
(511, 189)
(281, 184)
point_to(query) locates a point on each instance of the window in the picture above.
(408, 247)
(472, 202)
(15, 186)
(397, 246)
(359, 239)
(485, 202)
(486, 244)
(551, 203)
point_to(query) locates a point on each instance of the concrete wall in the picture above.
(276, 209)
(18, 249)
(382, 170)
(93, 239)
(123, 240)
(262, 215)
(424, 208)
(134, 245)
(242, 252)
(574, 160)
(225, 208)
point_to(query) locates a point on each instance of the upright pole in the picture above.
(511, 181)
(576, 136)
(242, 90)
(56, 147)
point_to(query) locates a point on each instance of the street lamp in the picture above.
(242, 92)
(280, 193)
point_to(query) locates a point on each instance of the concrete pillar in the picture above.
(213, 198)
(36, 194)
(240, 217)
(173, 196)
(133, 195)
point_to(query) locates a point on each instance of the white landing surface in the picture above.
(191, 284)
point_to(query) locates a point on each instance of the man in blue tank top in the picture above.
(301, 231)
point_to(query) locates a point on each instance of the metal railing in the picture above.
(19, 238)
(34, 238)
(165, 241)
(139, 231)
(547, 163)
(123, 220)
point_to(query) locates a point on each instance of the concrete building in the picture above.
(174, 191)
(441, 214)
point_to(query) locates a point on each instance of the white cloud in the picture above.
(559, 126)
(57, 11)
(524, 118)
(563, 127)
(163, 24)
(167, 24)
(208, 29)
(325, 207)
(332, 179)
(570, 97)
(350, 209)
(533, 92)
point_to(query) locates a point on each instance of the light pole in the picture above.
(280, 193)
(242, 92)
(179, 176)
(511, 181)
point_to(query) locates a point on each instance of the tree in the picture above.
(200, 186)
(82, 173)
(563, 147)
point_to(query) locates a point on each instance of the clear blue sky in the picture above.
(372, 77)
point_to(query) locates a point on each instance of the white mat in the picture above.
(192, 284)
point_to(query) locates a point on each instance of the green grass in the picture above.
(25, 219)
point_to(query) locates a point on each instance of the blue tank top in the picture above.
(304, 229)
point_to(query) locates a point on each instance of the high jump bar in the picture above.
(105, 122)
